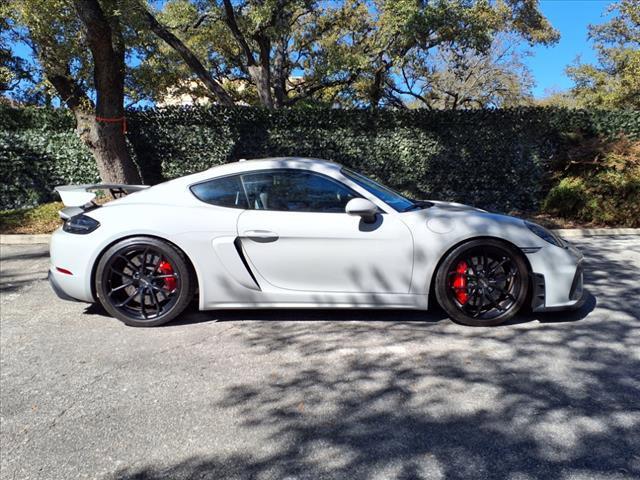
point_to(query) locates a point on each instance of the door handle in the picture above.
(261, 236)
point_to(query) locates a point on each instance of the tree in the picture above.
(273, 53)
(12, 68)
(554, 97)
(52, 28)
(461, 78)
(352, 52)
(20, 79)
(406, 34)
(615, 81)
(192, 61)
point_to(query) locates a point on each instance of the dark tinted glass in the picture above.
(388, 196)
(296, 191)
(223, 192)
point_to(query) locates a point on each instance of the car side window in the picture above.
(296, 191)
(222, 192)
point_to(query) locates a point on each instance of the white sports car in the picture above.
(301, 233)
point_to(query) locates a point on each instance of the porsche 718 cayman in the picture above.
(301, 233)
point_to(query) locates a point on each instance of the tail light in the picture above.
(80, 224)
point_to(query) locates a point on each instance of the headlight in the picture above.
(80, 224)
(545, 234)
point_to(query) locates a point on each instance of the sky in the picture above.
(571, 18)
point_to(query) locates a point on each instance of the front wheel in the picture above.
(482, 283)
(144, 282)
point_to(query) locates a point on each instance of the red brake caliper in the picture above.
(165, 268)
(459, 283)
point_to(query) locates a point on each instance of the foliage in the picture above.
(51, 29)
(39, 150)
(12, 68)
(615, 81)
(462, 78)
(407, 34)
(497, 159)
(599, 182)
(300, 52)
(288, 52)
(40, 219)
(554, 97)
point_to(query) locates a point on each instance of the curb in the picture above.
(25, 239)
(595, 232)
(563, 232)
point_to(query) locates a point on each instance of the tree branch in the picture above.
(320, 86)
(189, 57)
(230, 17)
(70, 92)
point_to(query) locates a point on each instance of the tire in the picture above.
(144, 281)
(482, 283)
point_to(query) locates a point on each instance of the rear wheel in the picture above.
(482, 283)
(144, 282)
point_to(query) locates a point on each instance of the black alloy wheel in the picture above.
(144, 281)
(482, 283)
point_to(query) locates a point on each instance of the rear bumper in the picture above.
(57, 289)
(73, 254)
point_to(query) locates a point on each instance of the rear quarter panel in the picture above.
(193, 229)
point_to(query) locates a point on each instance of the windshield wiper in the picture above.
(413, 206)
(418, 205)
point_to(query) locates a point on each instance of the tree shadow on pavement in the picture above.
(433, 315)
(358, 400)
(405, 398)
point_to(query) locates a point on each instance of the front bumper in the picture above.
(557, 278)
(577, 293)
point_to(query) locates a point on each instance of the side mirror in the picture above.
(362, 207)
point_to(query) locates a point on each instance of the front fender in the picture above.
(437, 232)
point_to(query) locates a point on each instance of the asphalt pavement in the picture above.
(321, 394)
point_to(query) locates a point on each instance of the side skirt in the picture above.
(324, 300)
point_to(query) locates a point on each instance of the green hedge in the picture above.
(39, 150)
(496, 159)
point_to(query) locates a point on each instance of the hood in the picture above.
(463, 221)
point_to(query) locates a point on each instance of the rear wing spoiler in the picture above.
(78, 197)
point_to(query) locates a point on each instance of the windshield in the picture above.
(388, 196)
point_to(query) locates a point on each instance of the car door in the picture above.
(297, 236)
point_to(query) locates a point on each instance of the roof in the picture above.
(159, 191)
(276, 162)
(246, 165)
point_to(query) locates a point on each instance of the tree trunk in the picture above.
(107, 143)
(280, 73)
(104, 133)
(261, 72)
(260, 77)
(105, 140)
(375, 92)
